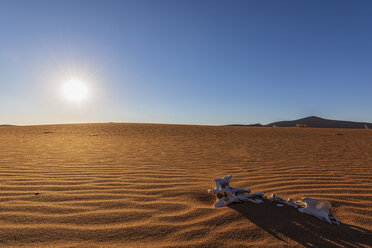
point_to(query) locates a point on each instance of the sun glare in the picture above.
(74, 90)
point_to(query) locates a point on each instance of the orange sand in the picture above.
(138, 185)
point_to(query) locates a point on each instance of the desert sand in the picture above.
(145, 185)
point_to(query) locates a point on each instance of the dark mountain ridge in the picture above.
(314, 121)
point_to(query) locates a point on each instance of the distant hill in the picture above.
(314, 121)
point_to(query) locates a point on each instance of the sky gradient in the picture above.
(192, 62)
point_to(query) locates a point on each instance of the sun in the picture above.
(75, 90)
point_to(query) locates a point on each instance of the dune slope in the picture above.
(142, 185)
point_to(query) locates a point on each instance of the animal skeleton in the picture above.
(226, 195)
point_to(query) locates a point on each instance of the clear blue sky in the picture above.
(194, 62)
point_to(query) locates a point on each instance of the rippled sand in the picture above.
(138, 185)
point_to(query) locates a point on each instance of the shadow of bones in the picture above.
(287, 223)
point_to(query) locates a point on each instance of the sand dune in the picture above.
(138, 185)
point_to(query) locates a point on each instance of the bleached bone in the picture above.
(226, 194)
(260, 194)
(317, 208)
(248, 197)
(280, 199)
(276, 198)
(291, 203)
(244, 197)
(301, 204)
(272, 197)
(334, 219)
(255, 200)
